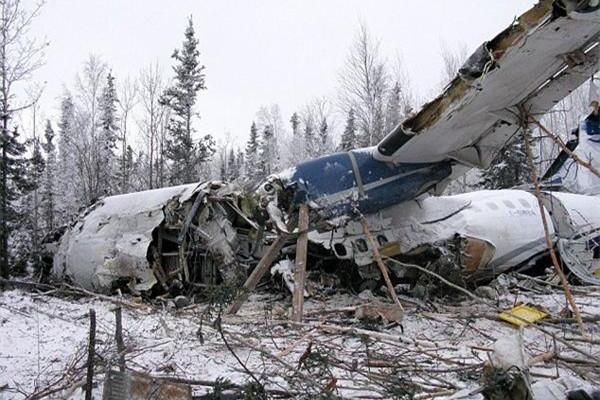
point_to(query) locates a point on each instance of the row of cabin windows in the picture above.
(509, 204)
(362, 246)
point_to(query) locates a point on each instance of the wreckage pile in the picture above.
(467, 345)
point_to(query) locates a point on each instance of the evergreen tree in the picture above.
(309, 138)
(393, 113)
(232, 172)
(127, 171)
(107, 141)
(323, 137)
(251, 159)
(18, 170)
(48, 187)
(239, 163)
(185, 156)
(267, 152)
(510, 167)
(349, 136)
(69, 201)
(33, 206)
(295, 121)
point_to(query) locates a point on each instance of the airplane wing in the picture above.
(538, 60)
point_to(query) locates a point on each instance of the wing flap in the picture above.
(537, 61)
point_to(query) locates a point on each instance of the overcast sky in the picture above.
(260, 52)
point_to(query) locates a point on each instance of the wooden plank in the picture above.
(380, 264)
(89, 381)
(300, 272)
(257, 273)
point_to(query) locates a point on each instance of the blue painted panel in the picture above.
(330, 182)
(323, 176)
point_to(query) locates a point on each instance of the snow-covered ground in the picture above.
(439, 348)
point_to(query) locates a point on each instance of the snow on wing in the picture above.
(545, 54)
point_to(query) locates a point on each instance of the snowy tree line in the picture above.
(116, 135)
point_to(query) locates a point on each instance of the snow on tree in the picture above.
(106, 168)
(48, 185)
(128, 98)
(184, 155)
(348, 141)
(267, 152)
(295, 122)
(252, 156)
(69, 199)
(21, 56)
(232, 166)
(510, 167)
(363, 87)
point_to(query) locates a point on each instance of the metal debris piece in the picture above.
(376, 311)
(522, 315)
(133, 385)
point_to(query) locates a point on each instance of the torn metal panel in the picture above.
(189, 233)
(577, 220)
(110, 241)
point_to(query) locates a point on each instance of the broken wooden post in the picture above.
(380, 264)
(300, 271)
(119, 338)
(258, 273)
(91, 355)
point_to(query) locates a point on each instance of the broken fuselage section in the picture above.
(197, 233)
(477, 235)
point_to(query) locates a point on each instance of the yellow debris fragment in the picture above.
(522, 315)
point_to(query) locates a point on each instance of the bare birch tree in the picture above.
(363, 86)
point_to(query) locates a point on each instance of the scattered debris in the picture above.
(133, 385)
(522, 315)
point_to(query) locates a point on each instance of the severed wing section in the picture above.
(545, 54)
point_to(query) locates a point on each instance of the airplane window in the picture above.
(393, 141)
(382, 239)
(524, 203)
(508, 203)
(492, 206)
(361, 245)
(340, 249)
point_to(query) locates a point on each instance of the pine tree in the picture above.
(232, 172)
(48, 187)
(18, 171)
(309, 138)
(240, 163)
(68, 202)
(349, 136)
(183, 154)
(251, 159)
(393, 113)
(127, 171)
(510, 167)
(33, 209)
(267, 152)
(295, 121)
(323, 137)
(107, 141)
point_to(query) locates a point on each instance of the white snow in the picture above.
(40, 334)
